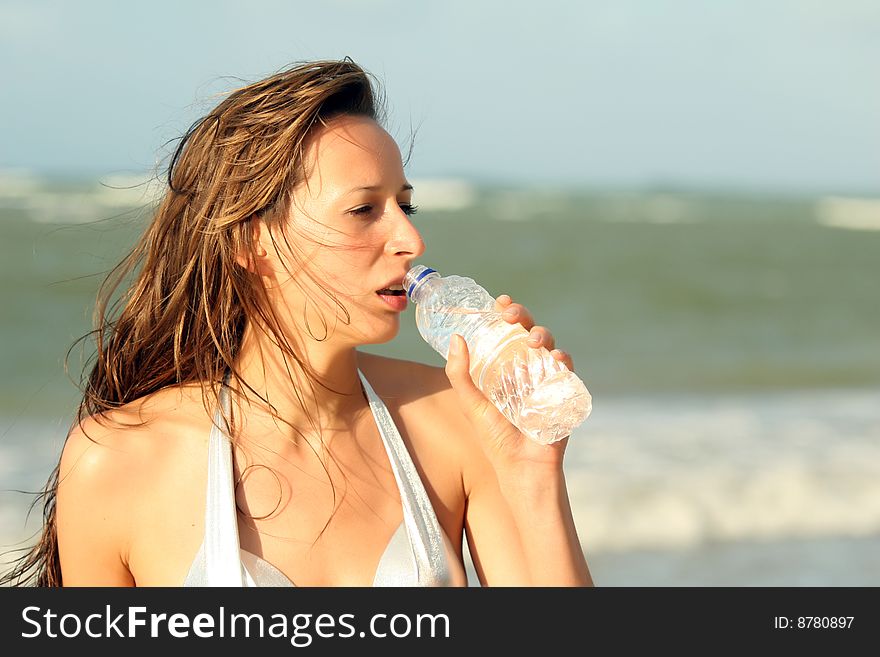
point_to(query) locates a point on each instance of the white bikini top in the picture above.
(419, 553)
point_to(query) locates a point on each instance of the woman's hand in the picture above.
(505, 445)
(519, 522)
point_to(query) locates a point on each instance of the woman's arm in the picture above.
(91, 509)
(518, 515)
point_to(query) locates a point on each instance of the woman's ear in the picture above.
(254, 256)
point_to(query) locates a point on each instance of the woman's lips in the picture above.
(396, 301)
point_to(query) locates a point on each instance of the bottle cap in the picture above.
(413, 276)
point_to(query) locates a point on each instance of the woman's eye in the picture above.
(365, 210)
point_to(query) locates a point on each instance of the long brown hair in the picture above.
(182, 318)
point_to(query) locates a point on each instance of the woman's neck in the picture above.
(323, 388)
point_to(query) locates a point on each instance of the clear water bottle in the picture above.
(538, 394)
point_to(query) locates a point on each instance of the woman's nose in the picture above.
(405, 238)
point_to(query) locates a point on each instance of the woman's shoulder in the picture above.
(121, 476)
(422, 395)
(407, 382)
(399, 377)
(127, 448)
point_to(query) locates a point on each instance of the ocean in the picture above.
(731, 343)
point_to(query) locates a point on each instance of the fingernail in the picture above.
(534, 338)
(511, 312)
(504, 298)
(454, 346)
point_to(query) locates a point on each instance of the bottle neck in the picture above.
(421, 287)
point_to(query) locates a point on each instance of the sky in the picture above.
(740, 94)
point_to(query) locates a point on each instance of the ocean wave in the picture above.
(446, 194)
(849, 213)
(45, 201)
(672, 472)
(673, 475)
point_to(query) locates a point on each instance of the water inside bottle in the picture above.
(536, 392)
(531, 388)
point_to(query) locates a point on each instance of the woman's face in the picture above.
(349, 228)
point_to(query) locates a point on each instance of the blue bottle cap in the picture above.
(425, 271)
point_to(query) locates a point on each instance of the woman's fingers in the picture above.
(540, 336)
(502, 302)
(479, 410)
(502, 442)
(514, 313)
(458, 371)
(564, 357)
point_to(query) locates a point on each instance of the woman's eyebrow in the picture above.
(375, 188)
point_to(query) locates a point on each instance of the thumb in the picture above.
(458, 371)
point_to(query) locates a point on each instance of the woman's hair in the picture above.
(183, 316)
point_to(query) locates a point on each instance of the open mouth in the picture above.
(394, 292)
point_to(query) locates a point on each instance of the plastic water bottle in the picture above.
(538, 394)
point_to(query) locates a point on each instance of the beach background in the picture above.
(686, 193)
(731, 344)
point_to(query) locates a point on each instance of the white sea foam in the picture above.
(660, 473)
(677, 474)
(74, 202)
(528, 204)
(443, 193)
(849, 213)
(510, 207)
(29, 450)
(127, 190)
(17, 184)
(648, 209)
(667, 209)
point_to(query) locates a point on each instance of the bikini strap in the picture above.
(422, 527)
(222, 556)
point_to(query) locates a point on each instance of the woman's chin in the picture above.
(376, 332)
(384, 333)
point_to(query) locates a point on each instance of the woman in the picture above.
(230, 431)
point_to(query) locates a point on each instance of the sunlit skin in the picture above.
(319, 501)
(355, 241)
